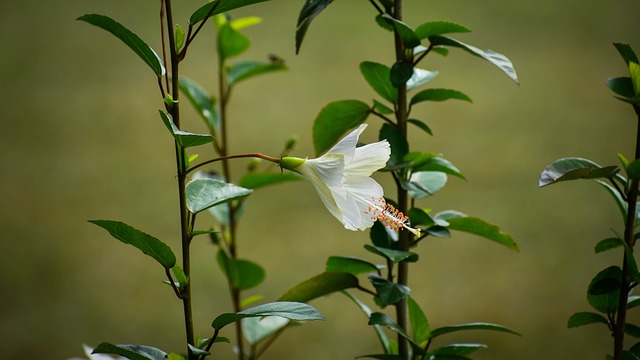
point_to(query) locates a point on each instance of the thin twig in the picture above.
(190, 36)
(238, 156)
(173, 284)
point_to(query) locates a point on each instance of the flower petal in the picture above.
(368, 158)
(327, 177)
(347, 144)
(357, 205)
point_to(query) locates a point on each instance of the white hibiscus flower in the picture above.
(342, 178)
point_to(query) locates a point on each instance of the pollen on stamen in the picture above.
(389, 216)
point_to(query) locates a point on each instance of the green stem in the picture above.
(181, 170)
(625, 284)
(238, 156)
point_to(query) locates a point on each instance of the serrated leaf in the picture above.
(133, 41)
(378, 76)
(606, 303)
(309, 11)
(349, 265)
(573, 169)
(585, 318)
(381, 319)
(245, 69)
(320, 285)
(420, 77)
(404, 31)
(204, 193)
(202, 102)
(395, 256)
(419, 323)
(132, 352)
(185, 139)
(420, 124)
(258, 180)
(256, 329)
(399, 144)
(471, 326)
(334, 120)
(438, 95)
(220, 7)
(499, 60)
(286, 309)
(476, 226)
(146, 243)
(389, 293)
(439, 28)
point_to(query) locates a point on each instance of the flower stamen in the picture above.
(389, 216)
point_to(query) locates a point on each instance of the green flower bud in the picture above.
(291, 163)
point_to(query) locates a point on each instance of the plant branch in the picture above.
(378, 8)
(382, 117)
(173, 284)
(190, 36)
(422, 55)
(164, 48)
(238, 156)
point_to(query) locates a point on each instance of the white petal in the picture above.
(357, 205)
(368, 159)
(347, 144)
(327, 177)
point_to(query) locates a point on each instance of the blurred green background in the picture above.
(82, 139)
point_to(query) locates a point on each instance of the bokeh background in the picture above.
(81, 139)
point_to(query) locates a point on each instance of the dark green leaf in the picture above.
(320, 285)
(245, 69)
(606, 303)
(132, 40)
(632, 330)
(132, 352)
(258, 180)
(628, 355)
(231, 42)
(419, 161)
(622, 86)
(286, 309)
(454, 351)
(194, 350)
(406, 33)
(334, 120)
(399, 144)
(635, 349)
(423, 184)
(386, 321)
(388, 292)
(482, 228)
(633, 301)
(310, 10)
(349, 265)
(420, 217)
(379, 78)
(256, 329)
(184, 138)
(439, 28)
(400, 73)
(633, 170)
(202, 102)
(382, 108)
(499, 60)
(395, 256)
(608, 244)
(419, 322)
(585, 318)
(471, 326)
(626, 52)
(242, 274)
(144, 242)
(204, 193)
(421, 125)
(380, 237)
(383, 22)
(438, 95)
(219, 7)
(572, 169)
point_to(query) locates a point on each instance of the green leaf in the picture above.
(419, 322)
(399, 144)
(400, 73)
(144, 242)
(380, 357)
(385, 320)
(420, 77)
(133, 352)
(310, 10)
(438, 95)
(378, 76)
(320, 285)
(349, 265)
(291, 310)
(389, 293)
(424, 127)
(438, 28)
(242, 274)
(197, 351)
(622, 86)
(204, 193)
(395, 256)
(423, 184)
(334, 120)
(382, 108)
(382, 237)
(455, 351)
(471, 326)
(482, 228)
(231, 42)
(420, 217)
(179, 36)
(219, 7)
(133, 41)
(184, 138)
(258, 180)
(181, 277)
(202, 102)
(585, 318)
(419, 161)
(632, 330)
(572, 169)
(628, 355)
(408, 37)
(384, 23)
(605, 303)
(633, 301)
(627, 53)
(499, 60)
(620, 201)
(245, 69)
(607, 244)
(256, 329)
(634, 70)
